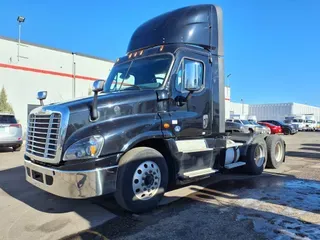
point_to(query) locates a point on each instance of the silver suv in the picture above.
(10, 132)
(252, 127)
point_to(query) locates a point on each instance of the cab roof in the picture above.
(199, 25)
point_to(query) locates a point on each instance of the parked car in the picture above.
(286, 128)
(265, 129)
(318, 126)
(311, 125)
(273, 128)
(10, 132)
(252, 127)
(290, 122)
(236, 127)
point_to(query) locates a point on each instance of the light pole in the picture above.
(20, 20)
(73, 75)
(242, 106)
(229, 80)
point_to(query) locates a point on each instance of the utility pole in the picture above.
(242, 106)
(228, 85)
(20, 20)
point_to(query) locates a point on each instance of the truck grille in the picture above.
(43, 135)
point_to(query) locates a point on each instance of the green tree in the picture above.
(4, 105)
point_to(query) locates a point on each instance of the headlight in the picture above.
(89, 147)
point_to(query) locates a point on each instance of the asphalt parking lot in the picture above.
(280, 204)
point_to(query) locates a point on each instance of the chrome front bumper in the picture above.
(72, 184)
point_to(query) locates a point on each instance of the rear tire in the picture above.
(276, 151)
(142, 179)
(256, 157)
(17, 148)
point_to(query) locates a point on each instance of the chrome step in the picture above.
(198, 173)
(234, 165)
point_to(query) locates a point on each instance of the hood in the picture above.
(109, 99)
(110, 106)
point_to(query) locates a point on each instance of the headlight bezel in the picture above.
(85, 146)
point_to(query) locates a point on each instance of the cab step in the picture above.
(197, 173)
(234, 165)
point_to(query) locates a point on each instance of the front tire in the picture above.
(142, 179)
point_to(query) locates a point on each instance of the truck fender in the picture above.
(145, 136)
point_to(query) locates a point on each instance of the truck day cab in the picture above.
(159, 120)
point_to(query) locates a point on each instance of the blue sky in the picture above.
(272, 47)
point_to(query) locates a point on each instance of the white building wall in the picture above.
(271, 111)
(300, 109)
(41, 68)
(281, 110)
(239, 108)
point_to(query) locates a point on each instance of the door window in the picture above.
(189, 75)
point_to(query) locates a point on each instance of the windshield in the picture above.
(144, 73)
(245, 122)
(298, 120)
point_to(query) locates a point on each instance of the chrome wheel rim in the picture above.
(278, 152)
(259, 156)
(146, 180)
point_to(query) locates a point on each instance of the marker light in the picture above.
(166, 125)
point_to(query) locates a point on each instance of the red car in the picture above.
(274, 129)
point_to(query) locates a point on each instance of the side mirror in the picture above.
(42, 95)
(97, 86)
(193, 75)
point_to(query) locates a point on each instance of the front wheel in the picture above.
(287, 131)
(142, 179)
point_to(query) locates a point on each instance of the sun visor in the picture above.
(199, 25)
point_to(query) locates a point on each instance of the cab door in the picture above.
(191, 102)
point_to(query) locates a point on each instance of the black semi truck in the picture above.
(158, 120)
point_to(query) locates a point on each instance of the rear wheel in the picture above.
(256, 157)
(17, 148)
(276, 151)
(142, 179)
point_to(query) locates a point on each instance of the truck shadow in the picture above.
(251, 198)
(275, 205)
